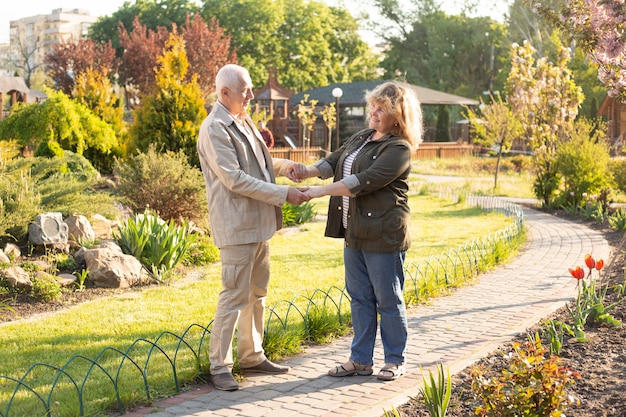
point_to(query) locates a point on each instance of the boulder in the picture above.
(12, 251)
(4, 259)
(109, 267)
(17, 277)
(79, 229)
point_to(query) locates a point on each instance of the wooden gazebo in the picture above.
(274, 100)
(13, 88)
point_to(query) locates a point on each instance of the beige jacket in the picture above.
(243, 206)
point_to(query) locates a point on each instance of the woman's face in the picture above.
(380, 120)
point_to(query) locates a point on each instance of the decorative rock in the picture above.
(79, 229)
(48, 229)
(17, 277)
(4, 259)
(109, 267)
(102, 226)
(66, 280)
(12, 250)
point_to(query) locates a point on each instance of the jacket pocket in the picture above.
(368, 224)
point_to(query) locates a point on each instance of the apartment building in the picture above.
(32, 37)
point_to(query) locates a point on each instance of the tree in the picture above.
(24, 51)
(495, 125)
(207, 48)
(170, 118)
(544, 97)
(151, 13)
(65, 122)
(599, 27)
(141, 46)
(456, 54)
(69, 59)
(93, 89)
(309, 43)
(525, 24)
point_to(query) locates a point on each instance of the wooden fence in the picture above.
(426, 150)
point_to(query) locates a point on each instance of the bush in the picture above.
(618, 169)
(583, 163)
(29, 186)
(534, 384)
(295, 215)
(201, 252)
(163, 182)
(158, 245)
(46, 289)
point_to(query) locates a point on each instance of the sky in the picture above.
(17, 9)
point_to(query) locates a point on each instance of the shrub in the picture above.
(46, 289)
(533, 384)
(617, 220)
(29, 186)
(19, 204)
(583, 163)
(201, 252)
(163, 182)
(295, 215)
(618, 170)
(157, 244)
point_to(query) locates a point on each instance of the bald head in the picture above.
(234, 88)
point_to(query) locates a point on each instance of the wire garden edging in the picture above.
(162, 366)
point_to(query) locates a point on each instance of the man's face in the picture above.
(238, 99)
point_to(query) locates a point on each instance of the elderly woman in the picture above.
(369, 209)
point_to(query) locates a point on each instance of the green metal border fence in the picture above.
(180, 356)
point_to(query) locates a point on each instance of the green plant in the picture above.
(533, 384)
(589, 303)
(436, 392)
(46, 289)
(61, 261)
(201, 252)
(165, 183)
(322, 326)
(393, 413)
(554, 331)
(617, 220)
(82, 278)
(157, 244)
(295, 215)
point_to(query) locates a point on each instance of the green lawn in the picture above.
(302, 260)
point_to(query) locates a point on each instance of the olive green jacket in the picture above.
(378, 215)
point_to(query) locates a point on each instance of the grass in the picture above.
(302, 260)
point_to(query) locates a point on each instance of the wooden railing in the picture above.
(305, 155)
(432, 150)
(426, 150)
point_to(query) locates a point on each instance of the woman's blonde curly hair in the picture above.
(400, 101)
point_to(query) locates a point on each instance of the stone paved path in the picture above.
(456, 330)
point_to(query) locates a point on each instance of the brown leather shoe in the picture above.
(225, 382)
(267, 367)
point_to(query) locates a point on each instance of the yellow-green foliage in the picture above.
(93, 89)
(534, 384)
(29, 186)
(61, 119)
(170, 118)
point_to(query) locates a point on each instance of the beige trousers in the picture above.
(241, 304)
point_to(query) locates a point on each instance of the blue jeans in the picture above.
(375, 282)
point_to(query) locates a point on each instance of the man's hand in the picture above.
(297, 196)
(297, 172)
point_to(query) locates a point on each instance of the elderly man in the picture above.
(244, 212)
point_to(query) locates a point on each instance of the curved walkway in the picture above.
(456, 330)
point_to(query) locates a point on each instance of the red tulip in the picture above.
(599, 264)
(589, 261)
(577, 272)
